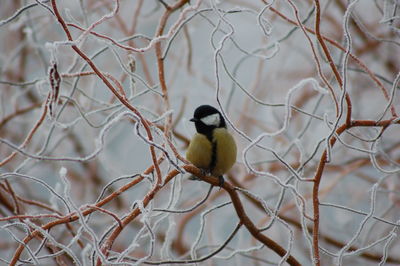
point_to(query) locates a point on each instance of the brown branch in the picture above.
(30, 134)
(120, 97)
(328, 239)
(337, 45)
(322, 162)
(19, 112)
(73, 216)
(317, 61)
(160, 61)
(330, 60)
(241, 213)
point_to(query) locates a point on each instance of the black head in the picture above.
(206, 118)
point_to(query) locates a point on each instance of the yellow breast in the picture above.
(200, 151)
(226, 151)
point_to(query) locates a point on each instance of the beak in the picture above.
(194, 120)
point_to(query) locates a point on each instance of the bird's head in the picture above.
(206, 118)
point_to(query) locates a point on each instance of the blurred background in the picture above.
(83, 82)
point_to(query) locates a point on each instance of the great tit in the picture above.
(212, 148)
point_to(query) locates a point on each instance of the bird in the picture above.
(212, 149)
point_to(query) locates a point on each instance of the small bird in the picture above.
(212, 148)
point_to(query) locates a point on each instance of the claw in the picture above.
(221, 181)
(204, 172)
(193, 177)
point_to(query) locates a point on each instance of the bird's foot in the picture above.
(221, 181)
(204, 172)
(193, 177)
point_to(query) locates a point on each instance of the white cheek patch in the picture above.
(211, 120)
